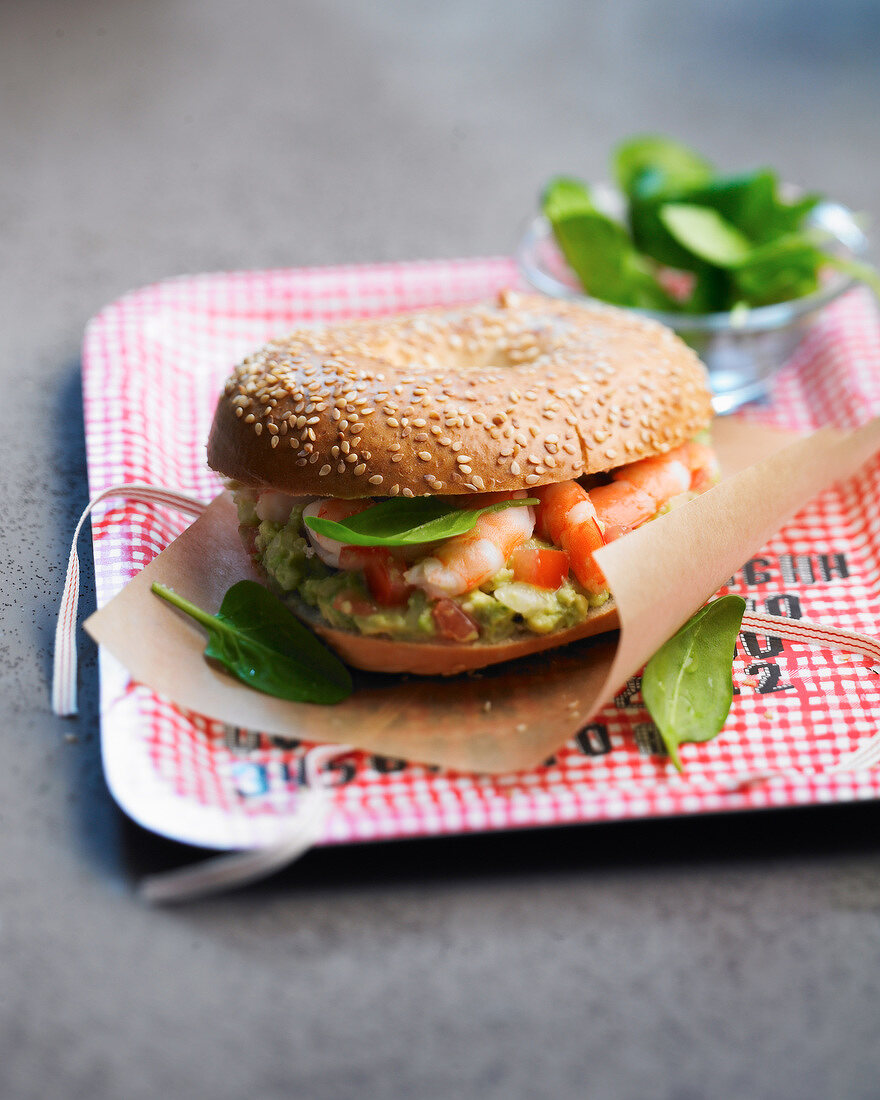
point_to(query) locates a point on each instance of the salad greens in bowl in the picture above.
(738, 265)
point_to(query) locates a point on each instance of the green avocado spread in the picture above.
(501, 608)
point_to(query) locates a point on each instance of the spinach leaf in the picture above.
(652, 164)
(746, 200)
(598, 249)
(407, 522)
(688, 683)
(856, 270)
(264, 645)
(742, 241)
(786, 217)
(703, 231)
(565, 195)
(779, 270)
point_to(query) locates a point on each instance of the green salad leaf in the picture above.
(402, 521)
(705, 233)
(599, 250)
(651, 163)
(725, 242)
(688, 683)
(264, 645)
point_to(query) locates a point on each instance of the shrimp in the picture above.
(329, 550)
(274, 506)
(464, 562)
(567, 517)
(638, 491)
(580, 522)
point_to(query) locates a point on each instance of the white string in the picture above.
(64, 662)
(828, 637)
(227, 872)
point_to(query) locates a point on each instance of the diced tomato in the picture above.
(351, 602)
(386, 583)
(356, 557)
(382, 572)
(453, 623)
(542, 568)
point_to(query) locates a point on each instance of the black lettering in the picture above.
(385, 765)
(796, 568)
(240, 740)
(754, 648)
(829, 564)
(648, 739)
(340, 772)
(768, 677)
(277, 741)
(593, 740)
(755, 571)
(630, 692)
(786, 605)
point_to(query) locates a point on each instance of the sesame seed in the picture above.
(407, 492)
(462, 459)
(394, 490)
(532, 479)
(397, 458)
(360, 469)
(425, 456)
(515, 469)
(325, 469)
(376, 479)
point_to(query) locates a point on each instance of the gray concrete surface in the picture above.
(729, 957)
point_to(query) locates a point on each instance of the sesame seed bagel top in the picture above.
(482, 398)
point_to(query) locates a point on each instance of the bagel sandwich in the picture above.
(426, 491)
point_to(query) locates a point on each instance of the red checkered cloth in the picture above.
(153, 365)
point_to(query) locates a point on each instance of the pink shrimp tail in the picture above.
(567, 518)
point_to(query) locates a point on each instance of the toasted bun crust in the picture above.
(450, 658)
(481, 398)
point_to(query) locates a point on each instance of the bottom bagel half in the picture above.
(449, 658)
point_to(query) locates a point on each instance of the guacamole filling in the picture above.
(501, 608)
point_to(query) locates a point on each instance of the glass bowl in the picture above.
(742, 349)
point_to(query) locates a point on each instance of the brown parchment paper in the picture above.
(513, 716)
